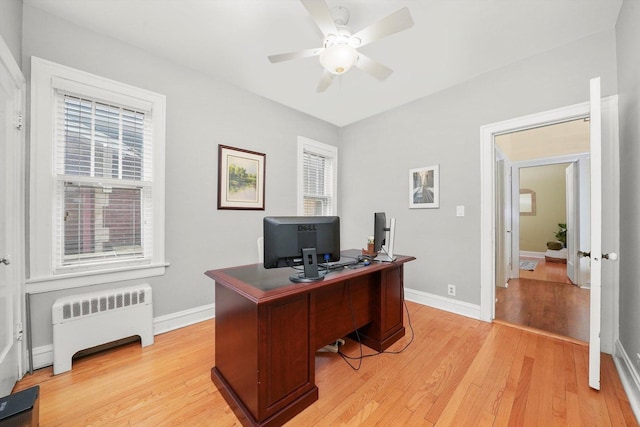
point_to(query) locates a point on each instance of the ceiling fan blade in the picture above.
(372, 67)
(394, 23)
(325, 81)
(295, 55)
(319, 11)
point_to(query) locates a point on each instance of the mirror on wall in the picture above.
(527, 202)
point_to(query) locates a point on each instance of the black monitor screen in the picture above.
(379, 230)
(286, 237)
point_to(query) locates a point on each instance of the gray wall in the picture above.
(628, 40)
(375, 156)
(201, 113)
(11, 26)
(444, 129)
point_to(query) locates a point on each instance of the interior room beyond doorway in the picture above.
(542, 297)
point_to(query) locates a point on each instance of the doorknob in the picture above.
(611, 257)
(6, 260)
(584, 254)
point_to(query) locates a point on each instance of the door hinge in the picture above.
(19, 121)
(19, 331)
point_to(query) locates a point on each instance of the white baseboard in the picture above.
(447, 304)
(43, 355)
(531, 254)
(169, 322)
(628, 376)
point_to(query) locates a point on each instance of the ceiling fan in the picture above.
(339, 50)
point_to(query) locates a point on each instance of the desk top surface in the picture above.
(258, 283)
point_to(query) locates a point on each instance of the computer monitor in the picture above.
(301, 240)
(380, 229)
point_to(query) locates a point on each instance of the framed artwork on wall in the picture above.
(527, 202)
(241, 175)
(424, 187)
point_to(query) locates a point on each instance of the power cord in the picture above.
(346, 357)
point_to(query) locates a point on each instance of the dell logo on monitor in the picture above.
(310, 227)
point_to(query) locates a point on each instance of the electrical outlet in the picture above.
(451, 290)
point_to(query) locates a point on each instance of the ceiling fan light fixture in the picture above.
(338, 58)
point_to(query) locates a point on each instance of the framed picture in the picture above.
(424, 187)
(527, 202)
(241, 176)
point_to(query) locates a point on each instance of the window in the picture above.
(317, 178)
(97, 180)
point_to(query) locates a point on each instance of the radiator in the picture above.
(88, 320)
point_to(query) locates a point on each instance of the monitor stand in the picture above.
(383, 257)
(310, 262)
(386, 254)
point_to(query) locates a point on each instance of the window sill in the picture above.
(58, 282)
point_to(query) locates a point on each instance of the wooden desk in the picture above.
(268, 330)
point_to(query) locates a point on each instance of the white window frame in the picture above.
(319, 148)
(46, 77)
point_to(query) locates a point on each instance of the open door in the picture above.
(503, 224)
(596, 225)
(571, 179)
(12, 92)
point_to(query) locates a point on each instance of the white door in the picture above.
(503, 221)
(595, 140)
(573, 232)
(598, 210)
(12, 190)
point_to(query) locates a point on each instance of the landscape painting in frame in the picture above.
(424, 191)
(241, 176)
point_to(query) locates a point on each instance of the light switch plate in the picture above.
(460, 210)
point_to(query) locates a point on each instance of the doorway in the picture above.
(538, 174)
(604, 220)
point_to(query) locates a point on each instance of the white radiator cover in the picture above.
(88, 320)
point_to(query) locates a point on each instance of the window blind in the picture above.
(318, 184)
(103, 164)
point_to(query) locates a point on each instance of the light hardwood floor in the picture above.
(547, 271)
(457, 372)
(545, 299)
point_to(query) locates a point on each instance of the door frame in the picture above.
(488, 202)
(579, 159)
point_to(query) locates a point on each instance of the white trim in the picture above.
(628, 376)
(487, 198)
(180, 319)
(321, 149)
(39, 285)
(43, 355)
(532, 254)
(487, 190)
(44, 76)
(579, 159)
(442, 303)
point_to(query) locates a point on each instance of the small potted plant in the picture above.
(561, 234)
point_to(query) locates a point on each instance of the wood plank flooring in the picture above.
(545, 299)
(546, 271)
(457, 372)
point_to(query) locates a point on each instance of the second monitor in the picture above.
(381, 246)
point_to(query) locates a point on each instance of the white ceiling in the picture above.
(451, 41)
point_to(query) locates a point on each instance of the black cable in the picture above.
(362, 356)
(355, 325)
